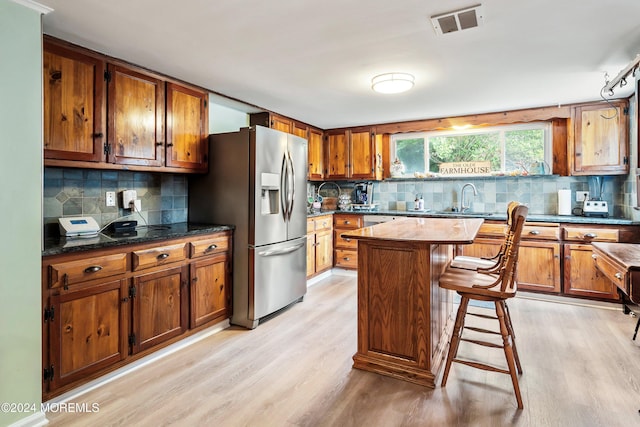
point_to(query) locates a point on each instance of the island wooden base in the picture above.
(404, 319)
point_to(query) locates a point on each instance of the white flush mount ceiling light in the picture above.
(392, 82)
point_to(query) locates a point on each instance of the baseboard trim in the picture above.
(37, 419)
(133, 366)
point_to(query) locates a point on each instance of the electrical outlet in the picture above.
(110, 198)
(581, 196)
(128, 196)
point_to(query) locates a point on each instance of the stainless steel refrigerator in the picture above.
(257, 182)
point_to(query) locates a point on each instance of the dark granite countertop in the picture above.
(572, 219)
(61, 245)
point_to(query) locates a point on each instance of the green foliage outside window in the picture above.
(508, 149)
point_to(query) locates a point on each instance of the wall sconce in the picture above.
(392, 82)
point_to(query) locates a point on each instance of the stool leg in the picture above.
(455, 337)
(507, 317)
(636, 331)
(508, 351)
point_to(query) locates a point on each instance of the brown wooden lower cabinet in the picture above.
(345, 254)
(102, 310)
(160, 307)
(538, 262)
(319, 244)
(210, 290)
(88, 331)
(582, 278)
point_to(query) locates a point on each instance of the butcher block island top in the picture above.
(404, 318)
(426, 230)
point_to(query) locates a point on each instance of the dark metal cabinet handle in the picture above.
(590, 235)
(162, 256)
(534, 232)
(346, 259)
(618, 275)
(211, 247)
(93, 269)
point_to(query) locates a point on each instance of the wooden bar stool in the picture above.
(496, 284)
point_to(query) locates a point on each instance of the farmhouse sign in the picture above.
(465, 168)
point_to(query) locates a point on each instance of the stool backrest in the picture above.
(507, 263)
(508, 271)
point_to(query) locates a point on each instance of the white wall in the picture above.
(225, 119)
(21, 175)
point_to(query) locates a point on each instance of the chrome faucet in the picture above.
(463, 206)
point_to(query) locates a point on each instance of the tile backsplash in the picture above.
(75, 192)
(540, 193)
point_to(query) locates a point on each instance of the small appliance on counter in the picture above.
(78, 226)
(595, 206)
(363, 195)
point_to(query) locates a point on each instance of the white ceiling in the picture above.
(313, 60)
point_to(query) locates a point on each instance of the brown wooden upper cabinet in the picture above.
(316, 155)
(187, 130)
(135, 130)
(74, 108)
(353, 154)
(101, 110)
(599, 145)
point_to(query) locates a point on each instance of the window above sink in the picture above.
(520, 149)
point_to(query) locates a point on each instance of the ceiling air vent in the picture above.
(449, 22)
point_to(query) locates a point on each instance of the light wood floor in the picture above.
(580, 369)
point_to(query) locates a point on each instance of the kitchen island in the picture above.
(404, 318)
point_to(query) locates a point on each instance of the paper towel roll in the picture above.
(564, 202)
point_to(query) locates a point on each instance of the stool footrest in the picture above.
(485, 331)
(484, 316)
(483, 343)
(482, 366)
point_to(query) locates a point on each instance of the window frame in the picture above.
(501, 129)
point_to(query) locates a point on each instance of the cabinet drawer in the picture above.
(346, 258)
(72, 272)
(148, 258)
(310, 225)
(541, 232)
(344, 242)
(616, 274)
(206, 247)
(347, 221)
(586, 234)
(492, 230)
(323, 223)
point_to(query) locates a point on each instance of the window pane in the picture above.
(411, 153)
(523, 147)
(465, 148)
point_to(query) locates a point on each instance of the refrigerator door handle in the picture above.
(284, 202)
(284, 251)
(293, 186)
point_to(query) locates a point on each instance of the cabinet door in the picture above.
(281, 123)
(187, 128)
(298, 129)
(539, 266)
(362, 155)
(600, 140)
(136, 118)
(311, 254)
(337, 156)
(73, 108)
(159, 307)
(316, 155)
(89, 331)
(324, 250)
(581, 277)
(210, 292)
(538, 262)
